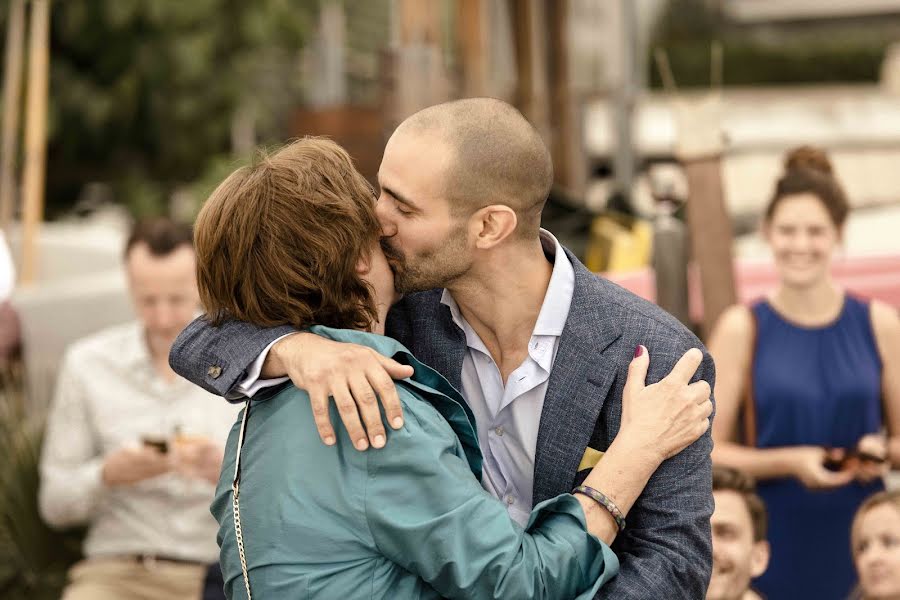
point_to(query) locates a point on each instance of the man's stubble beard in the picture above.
(435, 268)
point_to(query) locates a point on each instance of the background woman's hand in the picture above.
(873, 445)
(808, 465)
(669, 415)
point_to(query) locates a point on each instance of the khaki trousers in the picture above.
(127, 579)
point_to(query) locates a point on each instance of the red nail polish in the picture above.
(638, 351)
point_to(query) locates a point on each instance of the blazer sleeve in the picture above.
(427, 512)
(216, 358)
(666, 549)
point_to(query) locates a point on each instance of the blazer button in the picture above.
(214, 371)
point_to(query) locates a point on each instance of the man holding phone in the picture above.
(132, 450)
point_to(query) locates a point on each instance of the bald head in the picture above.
(496, 157)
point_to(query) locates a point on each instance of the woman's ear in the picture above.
(364, 264)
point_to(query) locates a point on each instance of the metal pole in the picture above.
(624, 100)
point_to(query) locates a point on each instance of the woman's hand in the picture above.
(873, 445)
(808, 465)
(668, 416)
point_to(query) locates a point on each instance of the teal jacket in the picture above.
(407, 521)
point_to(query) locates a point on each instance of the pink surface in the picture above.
(869, 277)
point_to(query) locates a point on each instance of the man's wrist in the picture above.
(275, 364)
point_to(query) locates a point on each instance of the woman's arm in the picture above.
(731, 345)
(886, 325)
(427, 513)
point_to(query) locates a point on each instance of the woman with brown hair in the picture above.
(808, 380)
(876, 547)
(294, 240)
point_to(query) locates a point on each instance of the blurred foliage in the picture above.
(143, 92)
(34, 559)
(833, 51)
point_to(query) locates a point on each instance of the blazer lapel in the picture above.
(578, 386)
(443, 345)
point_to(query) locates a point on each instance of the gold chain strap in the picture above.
(235, 496)
(235, 488)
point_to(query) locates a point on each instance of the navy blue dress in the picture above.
(818, 386)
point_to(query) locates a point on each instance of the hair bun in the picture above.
(808, 157)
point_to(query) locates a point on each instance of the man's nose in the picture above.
(388, 227)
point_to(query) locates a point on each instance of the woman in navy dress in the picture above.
(806, 386)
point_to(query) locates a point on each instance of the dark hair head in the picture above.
(278, 243)
(727, 479)
(161, 235)
(808, 171)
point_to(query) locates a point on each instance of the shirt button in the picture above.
(498, 431)
(510, 500)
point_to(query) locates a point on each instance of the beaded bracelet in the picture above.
(603, 501)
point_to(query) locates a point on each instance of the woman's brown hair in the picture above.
(889, 497)
(808, 170)
(278, 242)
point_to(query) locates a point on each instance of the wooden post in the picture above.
(711, 236)
(474, 48)
(569, 161)
(35, 136)
(12, 93)
(533, 97)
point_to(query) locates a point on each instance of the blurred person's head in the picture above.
(805, 217)
(739, 522)
(459, 180)
(161, 269)
(875, 541)
(293, 240)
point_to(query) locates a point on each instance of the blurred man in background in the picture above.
(131, 449)
(740, 549)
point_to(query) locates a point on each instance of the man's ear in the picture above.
(759, 558)
(493, 224)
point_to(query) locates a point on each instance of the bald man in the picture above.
(538, 345)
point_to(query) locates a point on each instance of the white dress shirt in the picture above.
(109, 396)
(507, 417)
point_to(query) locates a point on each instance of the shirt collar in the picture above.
(134, 351)
(555, 309)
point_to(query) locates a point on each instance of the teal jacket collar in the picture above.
(428, 383)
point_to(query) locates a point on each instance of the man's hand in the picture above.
(355, 376)
(130, 465)
(197, 458)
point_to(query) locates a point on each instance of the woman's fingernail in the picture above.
(329, 440)
(378, 442)
(638, 351)
(397, 423)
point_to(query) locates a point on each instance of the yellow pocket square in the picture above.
(590, 459)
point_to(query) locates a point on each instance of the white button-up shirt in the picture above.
(508, 416)
(109, 396)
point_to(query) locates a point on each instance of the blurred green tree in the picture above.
(817, 51)
(144, 93)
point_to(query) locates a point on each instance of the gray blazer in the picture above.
(666, 549)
